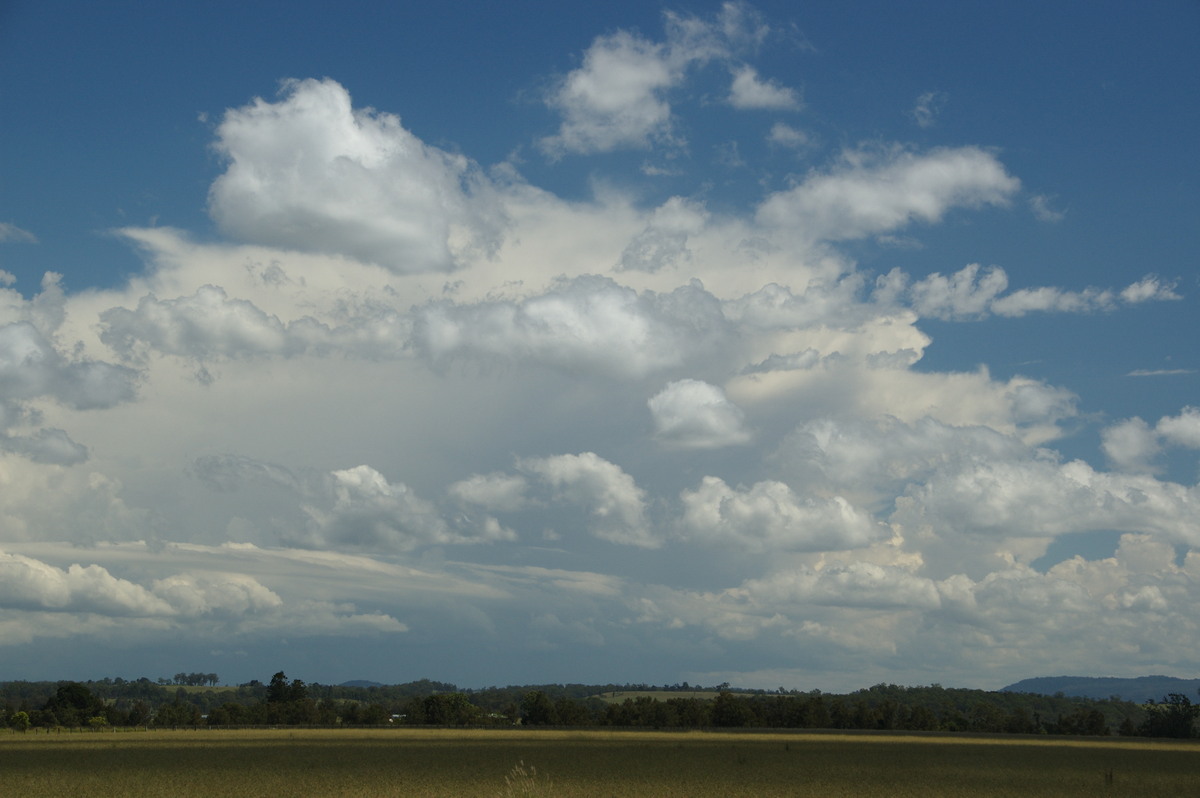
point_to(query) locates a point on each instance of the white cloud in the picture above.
(1159, 372)
(41, 600)
(927, 108)
(30, 583)
(31, 367)
(205, 324)
(1043, 208)
(784, 135)
(859, 584)
(614, 502)
(1183, 429)
(312, 173)
(872, 193)
(35, 365)
(663, 242)
(975, 292)
(618, 97)
(588, 324)
(1040, 498)
(9, 232)
(964, 294)
(748, 92)
(497, 492)
(877, 459)
(216, 594)
(371, 514)
(615, 99)
(769, 516)
(1131, 445)
(692, 414)
(1147, 289)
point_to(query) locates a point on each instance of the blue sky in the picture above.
(507, 343)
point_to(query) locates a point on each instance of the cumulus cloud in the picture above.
(210, 325)
(1183, 429)
(784, 135)
(692, 414)
(748, 92)
(663, 242)
(836, 304)
(497, 492)
(310, 172)
(618, 98)
(372, 514)
(615, 99)
(613, 501)
(1132, 444)
(770, 516)
(588, 324)
(209, 604)
(878, 458)
(871, 193)
(30, 366)
(359, 509)
(35, 365)
(221, 595)
(1041, 498)
(205, 324)
(858, 584)
(964, 294)
(29, 583)
(975, 292)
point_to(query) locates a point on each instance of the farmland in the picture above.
(441, 762)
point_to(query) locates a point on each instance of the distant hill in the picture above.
(360, 683)
(1140, 689)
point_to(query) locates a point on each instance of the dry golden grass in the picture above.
(420, 762)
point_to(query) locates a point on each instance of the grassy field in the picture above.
(417, 762)
(619, 696)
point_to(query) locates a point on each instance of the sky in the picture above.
(804, 345)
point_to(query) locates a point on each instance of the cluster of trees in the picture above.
(292, 702)
(197, 679)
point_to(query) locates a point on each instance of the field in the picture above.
(418, 762)
(618, 696)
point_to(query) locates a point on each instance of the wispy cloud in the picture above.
(12, 234)
(1159, 372)
(928, 106)
(1043, 208)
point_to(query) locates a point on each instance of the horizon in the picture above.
(699, 342)
(684, 686)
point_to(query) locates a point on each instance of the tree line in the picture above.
(284, 701)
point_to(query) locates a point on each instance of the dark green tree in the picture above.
(450, 709)
(279, 691)
(538, 710)
(1174, 717)
(73, 705)
(731, 711)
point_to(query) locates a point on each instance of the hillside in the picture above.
(1140, 689)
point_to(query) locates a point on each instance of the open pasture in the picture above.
(419, 762)
(618, 696)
